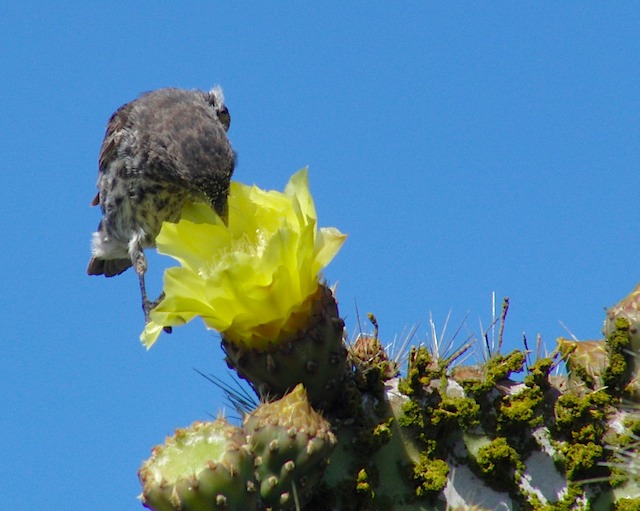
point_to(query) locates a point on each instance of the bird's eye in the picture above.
(225, 118)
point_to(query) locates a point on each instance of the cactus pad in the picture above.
(205, 467)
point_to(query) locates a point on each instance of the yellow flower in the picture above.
(252, 280)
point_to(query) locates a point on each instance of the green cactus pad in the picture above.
(316, 357)
(292, 444)
(205, 467)
(586, 361)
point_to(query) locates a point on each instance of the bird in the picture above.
(163, 149)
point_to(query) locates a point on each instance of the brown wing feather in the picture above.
(107, 267)
(109, 148)
(115, 125)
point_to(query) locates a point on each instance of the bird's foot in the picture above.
(154, 304)
(148, 306)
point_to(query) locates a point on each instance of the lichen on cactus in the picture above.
(291, 443)
(460, 439)
(205, 467)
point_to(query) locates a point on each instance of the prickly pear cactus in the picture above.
(511, 433)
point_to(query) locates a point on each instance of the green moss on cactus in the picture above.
(500, 367)
(363, 486)
(435, 417)
(569, 501)
(617, 376)
(582, 460)
(497, 368)
(538, 374)
(632, 426)
(521, 409)
(369, 438)
(381, 434)
(355, 493)
(430, 475)
(419, 374)
(582, 419)
(500, 464)
(627, 505)
(618, 338)
(413, 416)
(458, 412)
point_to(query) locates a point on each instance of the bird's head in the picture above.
(216, 99)
(211, 174)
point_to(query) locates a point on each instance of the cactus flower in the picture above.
(252, 279)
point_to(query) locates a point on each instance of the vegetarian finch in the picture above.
(161, 150)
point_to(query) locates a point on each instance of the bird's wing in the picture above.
(116, 124)
(109, 148)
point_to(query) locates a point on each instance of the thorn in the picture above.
(503, 317)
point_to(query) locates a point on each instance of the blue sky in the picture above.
(466, 148)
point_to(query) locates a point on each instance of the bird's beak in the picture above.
(222, 209)
(225, 218)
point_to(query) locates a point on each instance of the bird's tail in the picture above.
(107, 267)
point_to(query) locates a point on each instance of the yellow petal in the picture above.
(329, 240)
(298, 188)
(252, 279)
(191, 243)
(150, 334)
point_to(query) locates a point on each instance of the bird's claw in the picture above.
(148, 306)
(154, 304)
